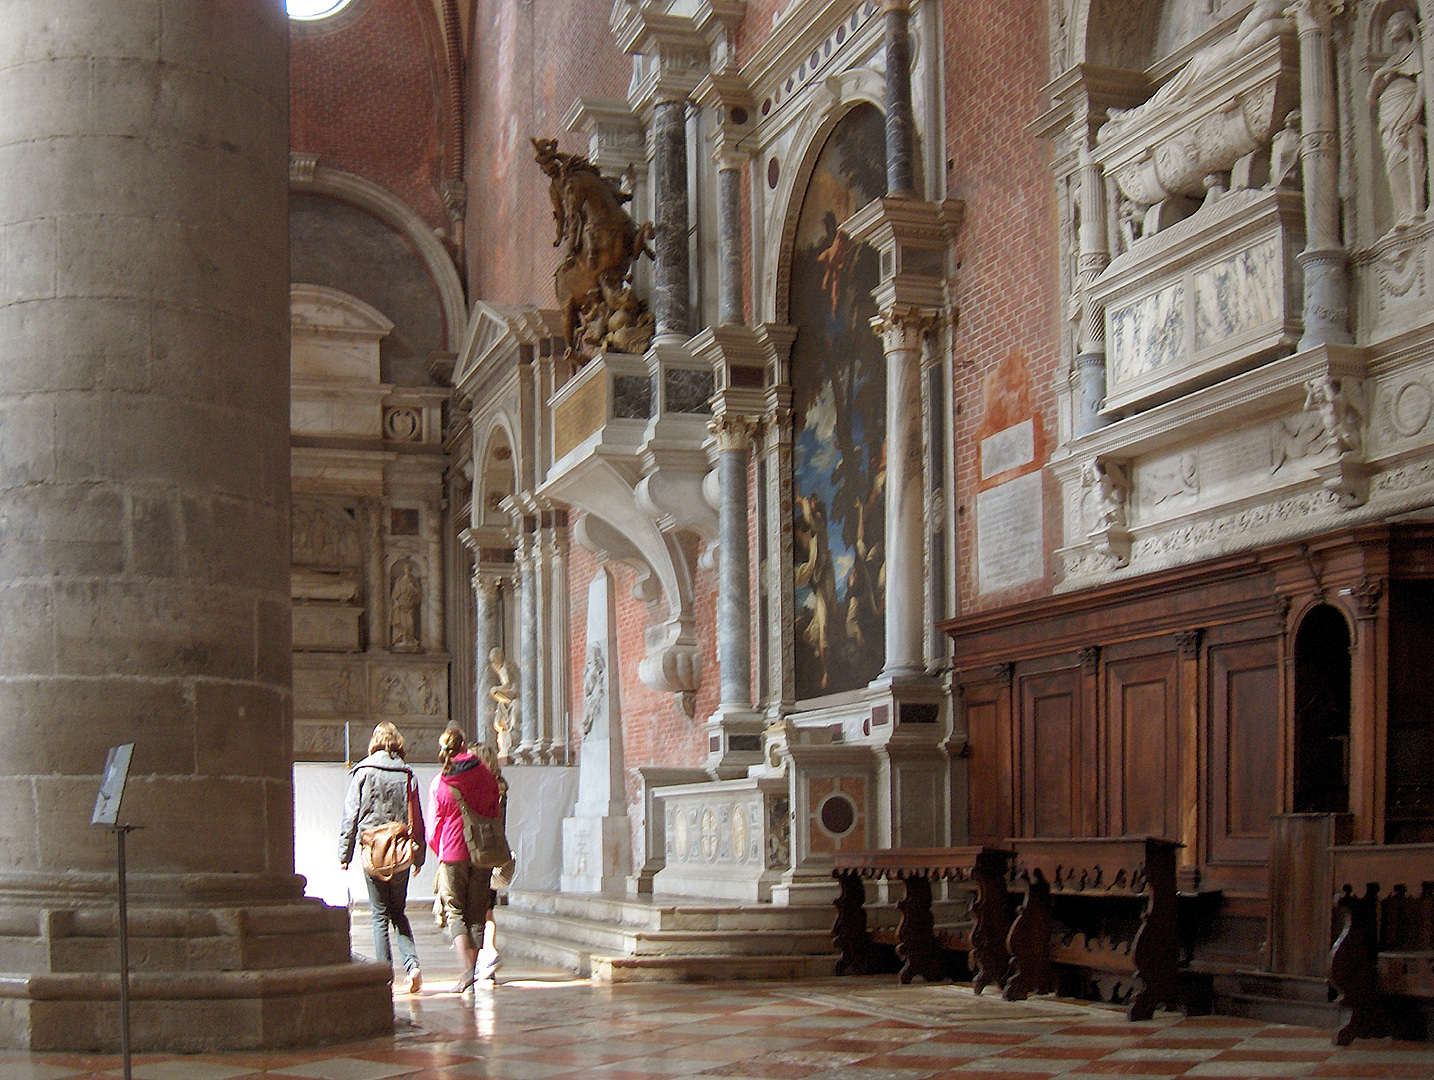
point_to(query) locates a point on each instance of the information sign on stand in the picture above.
(107, 808)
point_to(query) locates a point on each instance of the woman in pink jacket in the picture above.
(464, 891)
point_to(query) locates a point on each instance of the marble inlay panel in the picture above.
(1237, 295)
(1147, 334)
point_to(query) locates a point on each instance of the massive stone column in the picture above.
(144, 519)
(734, 620)
(902, 334)
(1324, 259)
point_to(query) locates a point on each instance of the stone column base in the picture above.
(201, 980)
(596, 854)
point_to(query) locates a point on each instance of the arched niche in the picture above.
(1321, 712)
(496, 481)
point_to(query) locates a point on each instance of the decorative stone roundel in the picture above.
(838, 814)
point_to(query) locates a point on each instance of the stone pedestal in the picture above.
(597, 839)
(144, 521)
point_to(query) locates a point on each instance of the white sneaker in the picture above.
(487, 971)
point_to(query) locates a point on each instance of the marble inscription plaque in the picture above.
(1008, 449)
(1009, 534)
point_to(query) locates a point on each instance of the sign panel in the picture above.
(107, 804)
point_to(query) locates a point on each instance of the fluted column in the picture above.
(1093, 258)
(734, 616)
(903, 331)
(144, 533)
(671, 285)
(730, 286)
(1324, 259)
(485, 640)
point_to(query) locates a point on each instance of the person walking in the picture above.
(464, 891)
(381, 791)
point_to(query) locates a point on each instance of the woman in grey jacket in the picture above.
(379, 787)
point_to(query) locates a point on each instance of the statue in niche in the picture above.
(600, 242)
(1266, 20)
(594, 688)
(1396, 92)
(504, 693)
(1285, 152)
(404, 602)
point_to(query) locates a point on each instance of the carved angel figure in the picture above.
(504, 693)
(1106, 488)
(594, 688)
(1397, 92)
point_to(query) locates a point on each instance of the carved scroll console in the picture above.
(918, 942)
(1385, 948)
(1102, 905)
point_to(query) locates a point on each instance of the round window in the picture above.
(310, 10)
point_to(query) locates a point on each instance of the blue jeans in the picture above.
(386, 900)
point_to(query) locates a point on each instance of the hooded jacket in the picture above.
(378, 794)
(479, 789)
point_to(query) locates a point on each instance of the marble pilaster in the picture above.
(730, 286)
(1093, 258)
(734, 621)
(1324, 259)
(528, 648)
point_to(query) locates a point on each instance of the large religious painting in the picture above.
(839, 391)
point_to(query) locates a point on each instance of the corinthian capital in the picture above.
(732, 432)
(904, 327)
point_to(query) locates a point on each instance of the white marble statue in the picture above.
(403, 610)
(504, 693)
(1397, 93)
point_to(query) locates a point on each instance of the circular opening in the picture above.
(309, 10)
(838, 814)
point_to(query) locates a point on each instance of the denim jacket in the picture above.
(378, 794)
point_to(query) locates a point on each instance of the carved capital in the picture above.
(1090, 659)
(1366, 596)
(904, 328)
(302, 167)
(1315, 16)
(1004, 674)
(1282, 609)
(1187, 642)
(485, 587)
(732, 432)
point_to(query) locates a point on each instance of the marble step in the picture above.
(672, 913)
(624, 969)
(628, 941)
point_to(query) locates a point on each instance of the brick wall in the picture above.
(529, 62)
(1007, 282)
(368, 98)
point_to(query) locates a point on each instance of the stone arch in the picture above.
(495, 474)
(308, 177)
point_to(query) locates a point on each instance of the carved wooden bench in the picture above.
(1386, 933)
(1106, 905)
(918, 943)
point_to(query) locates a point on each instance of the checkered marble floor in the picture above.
(829, 1029)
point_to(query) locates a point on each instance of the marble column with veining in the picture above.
(734, 601)
(730, 285)
(1092, 259)
(902, 336)
(671, 284)
(900, 120)
(528, 649)
(1324, 260)
(485, 640)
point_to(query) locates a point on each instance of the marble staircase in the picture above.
(621, 939)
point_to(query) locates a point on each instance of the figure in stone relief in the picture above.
(1333, 417)
(1397, 93)
(1265, 21)
(600, 243)
(504, 693)
(1106, 490)
(403, 610)
(1285, 152)
(594, 688)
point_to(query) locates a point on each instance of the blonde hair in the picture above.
(450, 744)
(386, 737)
(489, 757)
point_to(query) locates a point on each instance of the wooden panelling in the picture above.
(988, 731)
(1143, 758)
(1050, 753)
(1244, 749)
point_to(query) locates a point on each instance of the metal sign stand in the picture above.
(120, 831)
(107, 805)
